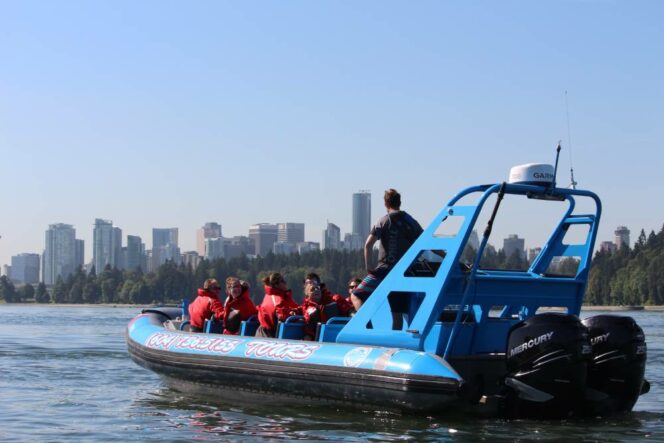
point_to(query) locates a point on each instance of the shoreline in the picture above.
(655, 308)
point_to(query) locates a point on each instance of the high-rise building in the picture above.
(290, 232)
(209, 230)
(214, 248)
(514, 244)
(332, 237)
(622, 237)
(353, 242)
(307, 246)
(25, 268)
(164, 246)
(164, 236)
(107, 245)
(239, 246)
(264, 236)
(474, 240)
(79, 260)
(59, 257)
(191, 258)
(135, 257)
(362, 213)
(607, 246)
(284, 248)
(533, 253)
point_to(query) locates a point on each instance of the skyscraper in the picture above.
(290, 232)
(135, 253)
(107, 245)
(264, 236)
(332, 237)
(362, 213)
(25, 268)
(214, 248)
(59, 252)
(514, 244)
(164, 246)
(209, 230)
(622, 237)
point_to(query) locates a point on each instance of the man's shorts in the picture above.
(369, 284)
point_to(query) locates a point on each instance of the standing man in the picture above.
(397, 231)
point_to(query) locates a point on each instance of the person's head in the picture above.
(392, 199)
(312, 291)
(212, 285)
(275, 280)
(353, 283)
(233, 287)
(310, 278)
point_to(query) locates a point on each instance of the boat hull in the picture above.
(271, 369)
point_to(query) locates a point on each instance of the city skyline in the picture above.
(153, 114)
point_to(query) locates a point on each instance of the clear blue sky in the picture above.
(172, 114)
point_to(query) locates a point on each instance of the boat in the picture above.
(496, 342)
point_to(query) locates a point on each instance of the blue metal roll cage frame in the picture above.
(475, 291)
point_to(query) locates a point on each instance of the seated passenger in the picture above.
(352, 284)
(206, 305)
(278, 305)
(319, 307)
(312, 309)
(343, 307)
(238, 305)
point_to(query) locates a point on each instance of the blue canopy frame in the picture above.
(473, 295)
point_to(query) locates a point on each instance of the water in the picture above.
(65, 375)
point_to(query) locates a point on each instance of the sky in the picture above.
(173, 113)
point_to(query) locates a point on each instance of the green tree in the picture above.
(7, 290)
(27, 292)
(59, 291)
(42, 295)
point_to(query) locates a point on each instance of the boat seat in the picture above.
(213, 326)
(185, 326)
(185, 309)
(328, 331)
(292, 328)
(248, 327)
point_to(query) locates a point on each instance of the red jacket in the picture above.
(243, 304)
(344, 305)
(277, 305)
(202, 308)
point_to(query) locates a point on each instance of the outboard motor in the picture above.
(547, 358)
(615, 374)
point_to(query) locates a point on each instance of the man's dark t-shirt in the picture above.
(396, 231)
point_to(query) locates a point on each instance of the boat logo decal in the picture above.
(356, 356)
(530, 343)
(280, 350)
(600, 339)
(217, 345)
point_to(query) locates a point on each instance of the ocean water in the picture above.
(65, 375)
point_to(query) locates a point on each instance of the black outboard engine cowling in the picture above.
(615, 374)
(547, 358)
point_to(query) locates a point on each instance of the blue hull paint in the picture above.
(387, 378)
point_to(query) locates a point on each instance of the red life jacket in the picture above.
(277, 305)
(203, 307)
(344, 305)
(242, 304)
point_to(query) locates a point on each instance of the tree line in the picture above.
(628, 276)
(173, 282)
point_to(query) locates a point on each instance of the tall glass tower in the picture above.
(362, 213)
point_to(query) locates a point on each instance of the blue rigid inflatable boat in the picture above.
(506, 343)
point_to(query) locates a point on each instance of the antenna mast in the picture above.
(569, 142)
